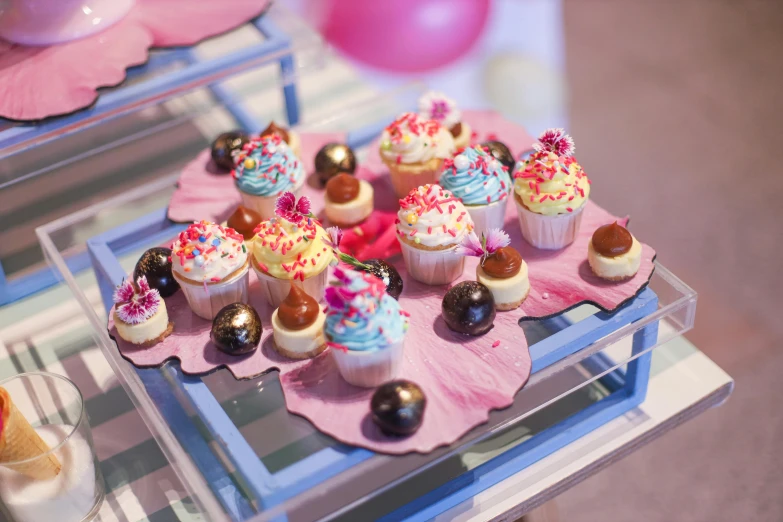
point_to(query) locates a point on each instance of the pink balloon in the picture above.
(404, 35)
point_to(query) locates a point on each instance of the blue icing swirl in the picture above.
(464, 176)
(369, 320)
(269, 170)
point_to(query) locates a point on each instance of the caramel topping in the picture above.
(274, 129)
(298, 310)
(503, 263)
(342, 188)
(244, 220)
(456, 129)
(612, 240)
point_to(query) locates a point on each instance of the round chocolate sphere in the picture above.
(398, 407)
(333, 159)
(236, 329)
(224, 146)
(386, 273)
(155, 263)
(469, 308)
(501, 153)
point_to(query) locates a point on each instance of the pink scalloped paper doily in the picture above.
(38, 82)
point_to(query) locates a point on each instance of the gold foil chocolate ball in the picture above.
(236, 329)
(332, 159)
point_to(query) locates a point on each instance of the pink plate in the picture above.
(38, 82)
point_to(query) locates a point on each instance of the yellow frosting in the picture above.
(551, 185)
(288, 250)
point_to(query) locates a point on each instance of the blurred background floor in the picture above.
(677, 107)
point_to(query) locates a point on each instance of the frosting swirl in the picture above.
(291, 250)
(476, 177)
(208, 252)
(549, 184)
(298, 310)
(439, 107)
(432, 216)
(361, 315)
(267, 167)
(412, 139)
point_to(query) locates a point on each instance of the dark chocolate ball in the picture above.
(386, 273)
(236, 329)
(224, 146)
(501, 153)
(469, 308)
(155, 264)
(333, 159)
(398, 407)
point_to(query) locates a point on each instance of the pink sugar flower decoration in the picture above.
(335, 237)
(495, 240)
(136, 303)
(555, 140)
(288, 208)
(472, 246)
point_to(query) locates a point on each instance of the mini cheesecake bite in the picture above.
(349, 201)
(613, 253)
(140, 314)
(298, 326)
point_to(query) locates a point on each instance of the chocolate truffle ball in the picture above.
(469, 308)
(500, 153)
(224, 146)
(386, 273)
(333, 159)
(398, 407)
(236, 329)
(155, 264)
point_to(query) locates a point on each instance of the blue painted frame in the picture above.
(628, 390)
(129, 98)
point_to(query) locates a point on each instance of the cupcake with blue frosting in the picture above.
(481, 183)
(365, 328)
(266, 168)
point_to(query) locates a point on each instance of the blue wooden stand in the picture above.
(267, 489)
(15, 138)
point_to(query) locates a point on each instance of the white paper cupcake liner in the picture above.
(369, 369)
(275, 290)
(207, 300)
(265, 206)
(432, 267)
(404, 181)
(489, 216)
(549, 232)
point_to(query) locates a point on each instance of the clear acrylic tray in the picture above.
(588, 367)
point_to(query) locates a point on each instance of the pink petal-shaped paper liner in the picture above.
(463, 377)
(206, 192)
(38, 82)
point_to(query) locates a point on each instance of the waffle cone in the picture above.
(19, 441)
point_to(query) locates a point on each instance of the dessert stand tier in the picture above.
(243, 457)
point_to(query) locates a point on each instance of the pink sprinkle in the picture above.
(572, 197)
(452, 232)
(569, 209)
(495, 344)
(429, 229)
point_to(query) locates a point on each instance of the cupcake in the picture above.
(439, 107)
(349, 201)
(298, 326)
(414, 149)
(210, 264)
(287, 135)
(291, 247)
(266, 168)
(365, 328)
(140, 313)
(431, 223)
(551, 190)
(613, 253)
(501, 268)
(483, 185)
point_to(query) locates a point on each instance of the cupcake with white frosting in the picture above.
(413, 148)
(431, 223)
(210, 263)
(483, 185)
(439, 107)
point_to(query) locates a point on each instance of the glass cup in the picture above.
(60, 479)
